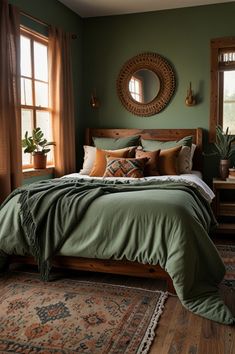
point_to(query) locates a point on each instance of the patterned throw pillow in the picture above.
(122, 167)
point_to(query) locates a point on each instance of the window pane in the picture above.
(40, 61)
(229, 85)
(229, 101)
(26, 92)
(26, 125)
(41, 94)
(131, 85)
(43, 120)
(25, 57)
(229, 117)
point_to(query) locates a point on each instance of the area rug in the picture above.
(72, 316)
(227, 253)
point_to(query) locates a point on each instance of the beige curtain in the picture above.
(10, 120)
(62, 101)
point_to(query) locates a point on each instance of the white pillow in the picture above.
(89, 159)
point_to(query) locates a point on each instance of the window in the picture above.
(35, 111)
(136, 89)
(222, 84)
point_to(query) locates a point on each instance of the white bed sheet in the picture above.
(194, 179)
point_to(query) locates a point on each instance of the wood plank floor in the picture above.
(181, 332)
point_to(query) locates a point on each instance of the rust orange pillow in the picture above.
(124, 167)
(168, 161)
(151, 167)
(99, 166)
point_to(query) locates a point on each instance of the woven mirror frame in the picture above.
(164, 72)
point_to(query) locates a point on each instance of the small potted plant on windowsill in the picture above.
(37, 145)
(224, 148)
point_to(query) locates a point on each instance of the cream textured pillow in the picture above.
(183, 161)
(193, 148)
(89, 159)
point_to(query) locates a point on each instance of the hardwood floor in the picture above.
(181, 332)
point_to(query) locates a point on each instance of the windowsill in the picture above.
(31, 172)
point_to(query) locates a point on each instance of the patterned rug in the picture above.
(227, 253)
(71, 316)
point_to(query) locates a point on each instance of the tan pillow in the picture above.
(151, 167)
(168, 161)
(101, 159)
(124, 167)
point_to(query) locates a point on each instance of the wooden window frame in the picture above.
(217, 85)
(34, 36)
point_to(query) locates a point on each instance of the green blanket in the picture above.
(149, 222)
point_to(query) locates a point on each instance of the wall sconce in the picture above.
(190, 99)
(94, 102)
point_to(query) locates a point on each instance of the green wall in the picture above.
(55, 13)
(104, 43)
(182, 36)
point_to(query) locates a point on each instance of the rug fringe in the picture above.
(128, 287)
(150, 333)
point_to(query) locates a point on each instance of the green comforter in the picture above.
(149, 222)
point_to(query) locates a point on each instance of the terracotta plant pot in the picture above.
(39, 160)
(224, 168)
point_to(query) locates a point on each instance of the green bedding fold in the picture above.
(149, 222)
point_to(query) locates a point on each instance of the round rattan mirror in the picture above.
(145, 84)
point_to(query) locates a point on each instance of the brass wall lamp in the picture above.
(94, 102)
(190, 98)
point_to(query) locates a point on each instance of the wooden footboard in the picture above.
(105, 266)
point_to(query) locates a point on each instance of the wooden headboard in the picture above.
(154, 134)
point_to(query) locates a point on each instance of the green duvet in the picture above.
(149, 222)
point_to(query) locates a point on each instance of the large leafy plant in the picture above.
(223, 144)
(36, 142)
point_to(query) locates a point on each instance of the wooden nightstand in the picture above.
(224, 205)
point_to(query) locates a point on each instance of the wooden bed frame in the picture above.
(126, 267)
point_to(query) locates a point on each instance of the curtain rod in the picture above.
(73, 35)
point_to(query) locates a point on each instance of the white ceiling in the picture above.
(94, 8)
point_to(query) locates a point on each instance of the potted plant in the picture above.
(224, 148)
(37, 145)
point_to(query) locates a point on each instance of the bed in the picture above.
(117, 228)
